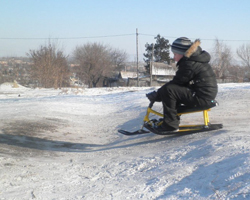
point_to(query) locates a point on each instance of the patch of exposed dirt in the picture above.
(29, 137)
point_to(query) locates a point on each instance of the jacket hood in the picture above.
(195, 53)
(193, 48)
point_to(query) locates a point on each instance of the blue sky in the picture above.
(28, 24)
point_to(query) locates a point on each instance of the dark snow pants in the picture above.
(173, 95)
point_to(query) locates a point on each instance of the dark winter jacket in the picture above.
(195, 72)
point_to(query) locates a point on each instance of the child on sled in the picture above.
(193, 85)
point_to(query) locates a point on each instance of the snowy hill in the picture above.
(63, 144)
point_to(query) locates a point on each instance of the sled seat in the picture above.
(182, 109)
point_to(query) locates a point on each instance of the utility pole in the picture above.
(151, 65)
(137, 60)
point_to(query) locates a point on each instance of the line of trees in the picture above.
(93, 63)
(225, 65)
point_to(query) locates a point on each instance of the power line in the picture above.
(110, 36)
(226, 40)
(67, 38)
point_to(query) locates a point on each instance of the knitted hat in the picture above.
(181, 45)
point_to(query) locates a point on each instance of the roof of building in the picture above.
(126, 75)
(163, 69)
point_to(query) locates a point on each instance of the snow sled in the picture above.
(150, 124)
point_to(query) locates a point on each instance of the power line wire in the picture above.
(67, 38)
(121, 35)
(201, 38)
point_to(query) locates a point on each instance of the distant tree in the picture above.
(50, 68)
(97, 61)
(236, 72)
(244, 54)
(221, 59)
(161, 51)
(118, 58)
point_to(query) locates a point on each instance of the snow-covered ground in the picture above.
(63, 144)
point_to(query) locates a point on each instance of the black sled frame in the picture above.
(150, 124)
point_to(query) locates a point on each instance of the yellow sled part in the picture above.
(205, 116)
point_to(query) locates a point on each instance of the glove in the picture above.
(152, 96)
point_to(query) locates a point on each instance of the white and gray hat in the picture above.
(181, 45)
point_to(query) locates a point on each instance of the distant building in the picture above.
(119, 79)
(126, 75)
(162, 72)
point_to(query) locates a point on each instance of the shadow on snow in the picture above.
(37, 143)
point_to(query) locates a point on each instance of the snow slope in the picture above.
(63, 144)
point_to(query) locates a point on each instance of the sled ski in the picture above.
(183, 129)
(187, 129)
(138, 132)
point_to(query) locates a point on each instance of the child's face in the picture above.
(177, 57)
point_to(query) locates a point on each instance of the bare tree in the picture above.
(118, 58)
(221, 58)
(244, 54)
(236, 72)
(49, 67)
(97, 61)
